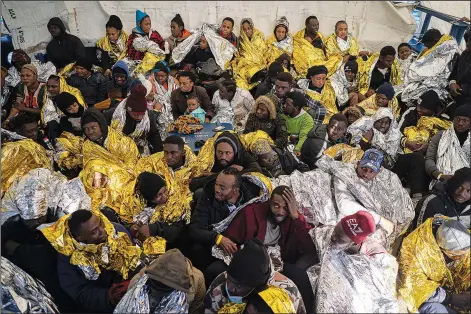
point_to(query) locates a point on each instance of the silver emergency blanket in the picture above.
(430, 72)
(321, 237)
(162, 96)
(12, 135)
(404, 66)
(286, 44)
(21, 293)
(44, 71)
(451, 156)
(313, 194)
(340, 84)
(40, 189)
(389, 142)
(384, 195)
(274, 252)
(357, 283)
(144, 44)
(221, 48)
(136, 300)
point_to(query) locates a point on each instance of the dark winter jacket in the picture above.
(65, 48)
(126, 87)
(93, 89)
(275, 128)
(461, 73)
(179, 106)
(316, 143)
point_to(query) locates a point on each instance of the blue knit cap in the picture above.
(139, 17)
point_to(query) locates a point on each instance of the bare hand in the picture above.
(207, 120)
(240, 168)
(461, 300)
(370, 92)
(422, 148)
(141, 232)
(108, 73)
(413, 145)
(290, 200)
(228, 246)
(455, 89)
(369, 135)
(20, 106)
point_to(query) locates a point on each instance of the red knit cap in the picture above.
(136, 101)
(358, 226)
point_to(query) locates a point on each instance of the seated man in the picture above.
(460, 86)
(249, 272)
(133, 118)
(95, 280)
(283, 84)
(232, 105)
(449, 150)
(169, 278)
(228, 192)
(368, 186)
(383, 98)
(298, 122)
(450, 198)
(274, 161)
(226, 152)
(120, 78)
(92, 85)
(277, 222)
(268, 82)
(322, 137)
(226, 31)
(264, 117)
(27, 125)
(187, 87)
(434, 267)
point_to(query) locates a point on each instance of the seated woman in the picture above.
(91, 84)
(345, 84)
(263, 117)
(72, 113)
(145, 44)
(342, 42)
(384, 97)
(112, 47)
(178, 33)
(308, 46)
(250, 60)
(280, 41)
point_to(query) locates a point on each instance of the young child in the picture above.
(194, 109)
(405, 56)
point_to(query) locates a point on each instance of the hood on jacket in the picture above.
(170, 269)
(268, 102)
(122, 65)
(57, 22)
(93, 114)
(319, 131)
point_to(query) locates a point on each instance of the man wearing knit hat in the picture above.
(133, 118)
(92, 85)
(120, 78)
(94, 126)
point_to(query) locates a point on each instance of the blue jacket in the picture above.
(198, 113)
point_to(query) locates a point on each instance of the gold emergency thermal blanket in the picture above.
(18, 158)
(332, 46)
(326, 97)
(118, 50)
(370, 106)
(305, 55)
(430, 71)
(250, 58)
(277, 48)
(69, 151)
(21, 293)
(426, 128)
(344, 152)
(422, 268)
(117, 253)
(365, 68)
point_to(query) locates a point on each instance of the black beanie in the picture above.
(115, 22)
(149, 184)
(274, 69)
(299, 100)
(250, 265)
(317, 69)
(351, 66)
(463, 111)
(84, 63)
(64, 100)
(430, 100)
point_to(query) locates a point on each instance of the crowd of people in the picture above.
(343, 186)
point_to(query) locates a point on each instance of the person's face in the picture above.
(281, 88)
(54, 30)
(225, 94)
(92, 232)
(28, 77)
(74, 108)
(289, 107)
(262, 112)
(365, 173)
(312, 26)
(81, 71)
(285, 64)
(381, 100)
(30, 130)
(226, 28)
(113, 34)
(53, 88)
(318, 80)
(203, 43)
(336, 130)
(92, 131)
(339, 238)
(161, 77)
(175, 29)
(280, 33)
(387, 61)
(351, 118)
(161, 197)
(145, 24)
(224, 189)
(192, 104)
(424, 112)
(136, 116)
(342, 31)
(224, 153)
(173, 155)
(461, 124)
(382, 125)
(404, 52)
(34, 223)
(462, 193)
(278, 207)
(237, 289)
(247, 29)
(119, 78)
(350, 76)
(186, 85)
